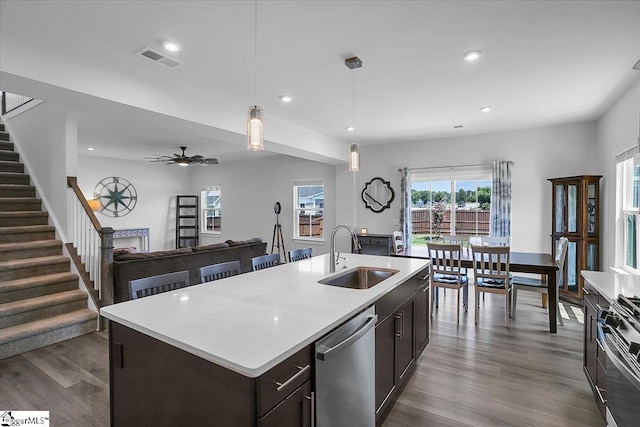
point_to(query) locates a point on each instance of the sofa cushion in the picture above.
(210, 247)
(145, 255)
(244, 242)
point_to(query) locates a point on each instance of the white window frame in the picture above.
(624, 209)
(297, 209)
(454, 174)
(216, 208)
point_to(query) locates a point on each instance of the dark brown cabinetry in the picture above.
(154, 383)
(375, 244)
(422, 282)
(402, 332)
(594, 363)
(576, 216)
(295, 410)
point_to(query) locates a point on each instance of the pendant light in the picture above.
(255, 127)
(354, 149)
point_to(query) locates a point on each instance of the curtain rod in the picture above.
(451, 167)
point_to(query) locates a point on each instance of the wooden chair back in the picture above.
(491, 264)
(445, 259)
(222, 270)
(495, 241)
(153, 285)
(300, 254)
(265, 261)
(398, 241)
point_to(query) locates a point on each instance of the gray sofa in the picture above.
(130, 266)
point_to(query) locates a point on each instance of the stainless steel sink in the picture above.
(359, 277)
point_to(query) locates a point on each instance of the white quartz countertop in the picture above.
(251, 322)
(610, 285)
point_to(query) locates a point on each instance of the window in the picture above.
(455, 201)
(308, 206)
(210, 209)
(628, 218)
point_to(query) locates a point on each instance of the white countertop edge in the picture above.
(610, 284)
(254, 372)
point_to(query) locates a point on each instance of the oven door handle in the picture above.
(620, 365)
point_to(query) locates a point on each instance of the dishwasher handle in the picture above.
(328, 352)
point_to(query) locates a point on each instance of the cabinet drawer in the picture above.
(280, 381)
(294, 411)
(381, 241)
(394, 299)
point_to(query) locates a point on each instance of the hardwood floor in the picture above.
(468, 376)
(489, 375)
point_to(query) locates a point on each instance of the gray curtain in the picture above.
(501, 199)
(405, 206)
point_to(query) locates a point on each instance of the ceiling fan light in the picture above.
(255, 129)
(182, 163)
(354, 158)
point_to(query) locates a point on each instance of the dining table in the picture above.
(519, 262)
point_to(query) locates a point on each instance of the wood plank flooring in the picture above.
(468, 376)
(489, 375)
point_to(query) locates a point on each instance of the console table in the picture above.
(375, 244)
(129, 233)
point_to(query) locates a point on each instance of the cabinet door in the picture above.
(385, 360)
(590, 331)
(405, 355)
(422, 318)
(294, 411)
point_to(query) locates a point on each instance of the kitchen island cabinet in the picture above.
(239, 351)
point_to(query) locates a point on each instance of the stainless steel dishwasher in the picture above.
(345, 374)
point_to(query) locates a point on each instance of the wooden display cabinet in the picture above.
(576, 216)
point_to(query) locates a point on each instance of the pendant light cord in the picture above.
(255, 54)
(354, 105)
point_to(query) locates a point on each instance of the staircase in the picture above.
(40, 303)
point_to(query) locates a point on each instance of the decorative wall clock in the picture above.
(377, 194)
(117, 196)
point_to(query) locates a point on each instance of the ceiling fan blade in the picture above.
(211, 161)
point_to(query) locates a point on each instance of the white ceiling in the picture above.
(543, 62)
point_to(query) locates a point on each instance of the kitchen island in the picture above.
(215, 350)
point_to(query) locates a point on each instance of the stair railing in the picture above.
(92, 248)
(11, 101)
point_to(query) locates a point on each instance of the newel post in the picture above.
(106, 265)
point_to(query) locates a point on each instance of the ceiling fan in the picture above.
(183, 159)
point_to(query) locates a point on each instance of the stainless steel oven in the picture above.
(619, 336)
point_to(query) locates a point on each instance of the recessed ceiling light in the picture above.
(285, 98)
(170, 46)
(350, 128)
(90, 148)
(486, 108)
(472, 55)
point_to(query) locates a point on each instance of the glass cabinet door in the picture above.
(591, 209)
(571, 267)
(572, 208)
(560, 197)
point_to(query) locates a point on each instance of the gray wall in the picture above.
(539, 154)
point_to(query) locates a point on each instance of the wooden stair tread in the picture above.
(33, 282)
(32, 262)
(26, 229)
(7, 247)
(23, 214)
(12, 308)
(17, 187)
(41, 326)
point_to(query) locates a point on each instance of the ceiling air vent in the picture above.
(158, 57)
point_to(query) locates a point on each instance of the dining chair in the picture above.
(398, 241)
(147, 286)
(491, 272)
(495, 241)
(447, 273)
(300, 254)
(209, 273)
(265, 261)
(531, 284)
